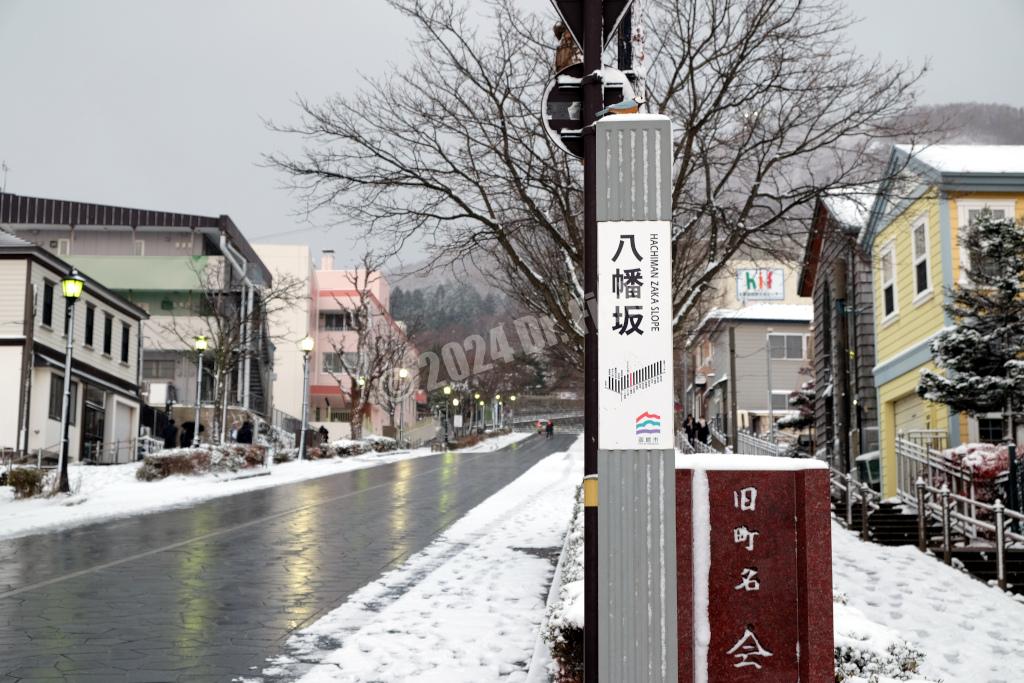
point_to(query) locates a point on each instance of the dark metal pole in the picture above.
(65, 414)
(305, 405)
(593, 97)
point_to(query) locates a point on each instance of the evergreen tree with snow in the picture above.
(802, 401)
(981, 354)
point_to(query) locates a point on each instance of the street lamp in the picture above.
(447, 392)
(477, 417)
(512, 412)
(306, 346)
(71, 286)
(403, 374)
(200, 346)
(455, 404)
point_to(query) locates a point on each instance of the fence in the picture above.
(695, 446)
(749, 444)
(117, 452)
(853, 492)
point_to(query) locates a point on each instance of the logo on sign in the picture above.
(760, 284)
(648, 423)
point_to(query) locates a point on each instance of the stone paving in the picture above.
(207, 593)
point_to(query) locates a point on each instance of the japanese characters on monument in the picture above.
(635, 329)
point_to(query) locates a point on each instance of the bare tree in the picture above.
(233, 333)
(372, 350)
(770, 108)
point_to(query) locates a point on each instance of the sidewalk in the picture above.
(465, 610)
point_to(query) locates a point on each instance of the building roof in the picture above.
(959, 159)
(848, 208)
(9, 240)
(20, 210)
(795, 313)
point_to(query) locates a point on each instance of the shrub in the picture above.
(865, 650)
(190, 461)
(467, 441)
(346, 447)
(26, 482)
(381, 444)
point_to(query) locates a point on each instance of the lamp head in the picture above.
(497, 397)
(447, 391)
(512, 397)
(72, 285)
(306, 345)
(455, 402)
(361, 381)
(403, 373)
(200, 343)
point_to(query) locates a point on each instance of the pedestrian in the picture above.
(690, 427)
(323, 434)
(170, 434)
(703, 431)
(188, 432)
(234, 430)
(245, 432)
(550, 429)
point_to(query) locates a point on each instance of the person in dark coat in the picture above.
(550, 429)
(703, 432)
(188, 433)
(245, 432)
(690, 427)
(323, 434)
(170, 434)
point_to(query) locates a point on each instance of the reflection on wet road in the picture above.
(208, 592)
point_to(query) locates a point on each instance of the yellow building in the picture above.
(913, 235)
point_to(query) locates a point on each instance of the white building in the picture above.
(105, 405)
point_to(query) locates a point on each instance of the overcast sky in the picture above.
(158, 104)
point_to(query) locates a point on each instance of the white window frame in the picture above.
(921, 222)
(888, 248)
(963, 209)
(803, 345)
(781, 392)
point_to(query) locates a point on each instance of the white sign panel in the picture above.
(458, 421)
(760, 284)
(634, 274)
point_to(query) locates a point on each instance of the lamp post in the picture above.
(71, 286)
(455, 404)
(477, 413)
(306, 346)
(403, 374)
(447, 392)
(200, 346)
(481, 409)
(512, 412)
(498, 416)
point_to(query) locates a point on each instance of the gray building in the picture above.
(181, 269)
(782, 328)
(837, 274)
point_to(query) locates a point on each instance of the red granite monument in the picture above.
(755, 570)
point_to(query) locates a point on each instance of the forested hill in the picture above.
(446, 312)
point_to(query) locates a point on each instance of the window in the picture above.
(90, 323)
(108, 332)
(338, 321)
(158, 369)
(126, 338)
(786, 346)
(332, 361)
(48, 303)
(889, 281)
(990, 429)
(919, 242)
(63, 247)
(57, 398)
(780, 400)
(969, 211)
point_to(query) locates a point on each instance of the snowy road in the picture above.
(208, 592)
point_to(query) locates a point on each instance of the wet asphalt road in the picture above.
(207, 593)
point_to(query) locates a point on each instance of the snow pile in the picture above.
(464, 610)
(867, 651)
(563, 621)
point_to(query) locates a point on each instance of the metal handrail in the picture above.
(754, 445)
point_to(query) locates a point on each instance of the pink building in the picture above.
(335, 300)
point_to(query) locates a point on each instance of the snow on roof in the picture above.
(969, 158)
(798, 313)
(754, 463)
(850, 206)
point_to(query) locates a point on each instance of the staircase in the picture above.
(981, 562)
